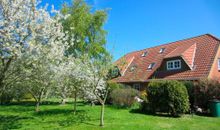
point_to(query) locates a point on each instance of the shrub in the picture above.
(112, 86)
(190, 89)
(5, 98)
(168, 96)
(206, 90)
(124, 97)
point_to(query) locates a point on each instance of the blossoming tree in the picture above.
(31, 37)
(97, 75)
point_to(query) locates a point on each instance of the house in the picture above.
(188, 59)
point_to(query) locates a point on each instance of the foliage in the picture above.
(114, 72)
(112, 86)
(168, 96)
(124, 97)
(31, 44)
(42, 54)
(190, 89)
(206, 90)
(87, 29)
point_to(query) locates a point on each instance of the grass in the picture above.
(55, 116)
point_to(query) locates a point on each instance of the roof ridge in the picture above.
(213, 36)
(174, 42)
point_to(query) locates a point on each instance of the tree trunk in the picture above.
(102, 114)
(75, 101)
(1, 90)
(63, 101)
(37, 109)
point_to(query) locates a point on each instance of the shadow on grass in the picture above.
(79, 118)
(204, 114)
(11, 122)
(159, 114)
(33, 103)
(51, 112)
(16, 108)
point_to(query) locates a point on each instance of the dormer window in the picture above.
(151, 66)
(161, 50)
(173, 64)
(144, 54)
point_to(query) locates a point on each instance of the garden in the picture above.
(56, 73)
(55, 116)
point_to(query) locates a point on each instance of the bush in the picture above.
(112, 86)
(190, 89)
(5, 98)
(206, 90)
(168, 96)
(124, 97)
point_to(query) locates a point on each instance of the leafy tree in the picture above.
(97, 75)
(86, 28)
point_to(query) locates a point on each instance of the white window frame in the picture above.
(137, 86)
(151, 65)
(144, 54)
(173, 66)
(218, 63)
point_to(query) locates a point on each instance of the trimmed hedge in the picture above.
(167, 96)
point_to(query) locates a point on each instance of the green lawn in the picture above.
(61, 117)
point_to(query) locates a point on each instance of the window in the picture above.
(132, 68)
(144, 54)
(162, 50)
(151, 66)
(218, 63)
(137, 86)
(173, 64)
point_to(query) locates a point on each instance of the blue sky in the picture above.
(137, 24)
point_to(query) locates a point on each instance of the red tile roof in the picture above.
(198, 53)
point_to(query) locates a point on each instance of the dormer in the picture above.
(187, 53)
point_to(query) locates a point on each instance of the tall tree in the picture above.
(97, 75)
(87, 28)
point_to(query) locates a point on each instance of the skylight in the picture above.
(132, 68)
(144, 54)
(162, 50)
(151, 66)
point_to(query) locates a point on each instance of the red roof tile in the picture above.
(198, 53)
